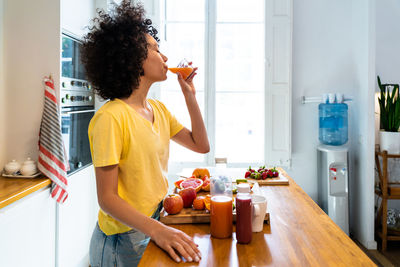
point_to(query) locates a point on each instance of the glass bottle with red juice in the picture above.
(243, 214)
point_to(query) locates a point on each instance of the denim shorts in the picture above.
(119, 250)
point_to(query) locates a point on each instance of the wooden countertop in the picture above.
(12, 189)
(299, 234)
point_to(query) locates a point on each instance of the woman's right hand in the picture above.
(172, 240)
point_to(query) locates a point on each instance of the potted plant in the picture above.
(389, 105)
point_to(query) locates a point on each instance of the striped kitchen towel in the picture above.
(52, 160)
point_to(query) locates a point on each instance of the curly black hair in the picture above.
(114, 50)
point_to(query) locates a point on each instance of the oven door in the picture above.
(74, 127)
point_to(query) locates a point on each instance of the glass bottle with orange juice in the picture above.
(184, 68)
(221, 219)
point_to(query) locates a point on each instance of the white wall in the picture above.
(321, 48)
(362, 154)
(32, 45)
(331, 54)
(3, 107)
(388, 41)
(387, 53)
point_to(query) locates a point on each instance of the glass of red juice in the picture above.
(243, 214)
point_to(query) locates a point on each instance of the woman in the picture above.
(129, 139)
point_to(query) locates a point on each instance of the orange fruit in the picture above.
(192, 182)
(207, 202)
(201, 173)
(198, 203)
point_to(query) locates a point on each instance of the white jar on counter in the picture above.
(28, 167)
(12, 167)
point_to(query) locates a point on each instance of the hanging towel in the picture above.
(52, 160)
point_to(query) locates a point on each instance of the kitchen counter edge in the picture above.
(13, 189)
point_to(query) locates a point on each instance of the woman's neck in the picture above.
(139, 95)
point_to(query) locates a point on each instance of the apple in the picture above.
(173, 204)
(188, 195)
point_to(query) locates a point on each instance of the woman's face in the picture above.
(154, 66)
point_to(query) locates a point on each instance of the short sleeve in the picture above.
(174, 125)
(106, 139)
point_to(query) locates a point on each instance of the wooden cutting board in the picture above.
(189, 215)
(280, 180)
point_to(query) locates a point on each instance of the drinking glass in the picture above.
(221, 221)
(184, 68)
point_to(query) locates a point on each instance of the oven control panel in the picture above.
(74, 98)
(75, 84)
(75, 93)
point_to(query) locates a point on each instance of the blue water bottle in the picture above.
(333, 123)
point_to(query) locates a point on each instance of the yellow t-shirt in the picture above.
(118, 134)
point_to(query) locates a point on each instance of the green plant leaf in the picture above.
(389, 106)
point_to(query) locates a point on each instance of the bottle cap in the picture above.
(243, 188)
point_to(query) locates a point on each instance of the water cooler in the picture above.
(333, 180)
(333, 184)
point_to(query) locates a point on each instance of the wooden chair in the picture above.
(386, 190)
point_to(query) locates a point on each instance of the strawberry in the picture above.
(250, 169)
(264, 175)
(275, 174)
(247, 174)
(269, 174)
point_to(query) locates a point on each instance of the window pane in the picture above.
(175, 102)
(185, 10)
(240, 126)
(240, 11)
(240, 57)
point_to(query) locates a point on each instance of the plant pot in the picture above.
(390, 141)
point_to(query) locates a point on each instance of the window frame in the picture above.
(274, 11)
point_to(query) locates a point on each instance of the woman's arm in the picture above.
(167, 238)
(196, 139)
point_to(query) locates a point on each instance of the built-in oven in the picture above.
(77, 105)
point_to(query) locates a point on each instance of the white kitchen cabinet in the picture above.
(27, 231)
(76, 15)
(76, 219)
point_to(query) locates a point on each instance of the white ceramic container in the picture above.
(28, 167)
(12, 167)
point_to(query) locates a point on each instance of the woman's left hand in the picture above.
(187, 85)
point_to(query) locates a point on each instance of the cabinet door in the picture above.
(27, 231)
(76, 15)
(76, 219)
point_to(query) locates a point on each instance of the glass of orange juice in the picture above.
(221, 221)
(184, 68)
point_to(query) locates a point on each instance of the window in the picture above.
(244, 79)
